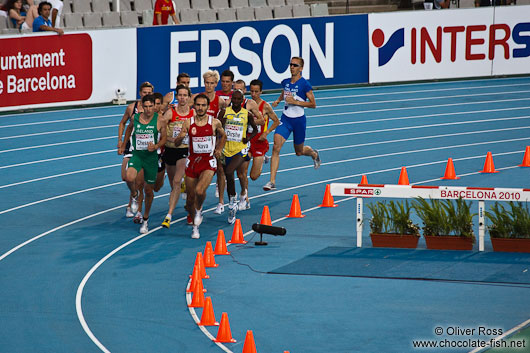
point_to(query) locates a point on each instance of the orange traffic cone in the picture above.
(193, 285)
(197, 301)
(224, 335)
(526, 158)
(208, 317)
(488, 165)
(195, 277)
(295, 211)
(450, 171)
(364, 180)
(328, 198)
(266, 216)
(249, 346)
(209, 258)
(237, 234)
(403, 177)
(199, 262)
(220, 244)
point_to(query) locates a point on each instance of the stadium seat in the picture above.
(245, 14)
(4, 22)
(9, 31)
(125, 5)
(92, 19)
(100, 6)
(111, 19)
(272, 3)
(295, 2)
(80, 6)
(200, 4)
(182, 4)
(257, 3)
(67, 6)
(207, 16)
(147, 17)
(320, 9)
(219, 4)
(282, 11)
(73, 20)
(143, 5)
(189, 16)
(129, 18)
(235, 4)
(301, 11)
(263, 13)
(226, 15)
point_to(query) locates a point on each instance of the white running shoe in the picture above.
(134, 203)
(269, 186)
(195, 233)
(129, 213)
(317, 160)
(138, 218)
(243, 204)
(197, 220)
(232, 208)
(219, 209)
(144, 228)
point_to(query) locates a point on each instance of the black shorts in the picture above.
(172, 155)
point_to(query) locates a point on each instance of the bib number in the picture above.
(142, 141)
(234, 133)
(202, 144)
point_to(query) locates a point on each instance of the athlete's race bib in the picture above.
(202, 144)
(234, 132)
(176, 132)
(142, 141)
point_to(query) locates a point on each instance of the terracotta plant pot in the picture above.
(394, 241)
(448, 242)
(510, 244)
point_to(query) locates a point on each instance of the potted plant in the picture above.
(509, 229)
(448, 225)
(391, 226)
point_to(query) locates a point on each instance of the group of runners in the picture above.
(194, 137)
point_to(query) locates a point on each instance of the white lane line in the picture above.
(60, 175)
(61, 121)
(58, 132)
(506, 334)
(56, 158)
(57, 144)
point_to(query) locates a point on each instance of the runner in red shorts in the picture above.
(201, 165)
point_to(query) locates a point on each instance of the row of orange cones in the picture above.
(224, 334)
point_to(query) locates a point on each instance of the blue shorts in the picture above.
(243, 153)
(294, 125)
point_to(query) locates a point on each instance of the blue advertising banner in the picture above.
(334, 48)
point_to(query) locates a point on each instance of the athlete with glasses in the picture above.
(298, 94)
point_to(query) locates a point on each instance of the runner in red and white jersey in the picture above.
(204, 150)
(227, 83)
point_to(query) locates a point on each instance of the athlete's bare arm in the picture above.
(268, 112)
(167, 118)
(183, 132)
(221, 137)
(161, 126)
(165, 102)
(277, 101)
(252, 107)
(128, 134)
(254, 128)
(306, 104)
(126, 116)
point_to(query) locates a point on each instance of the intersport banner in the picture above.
(334, 48)
(407, 46)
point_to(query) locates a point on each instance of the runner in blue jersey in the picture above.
(298, 94)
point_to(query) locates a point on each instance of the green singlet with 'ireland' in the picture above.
(141, 157)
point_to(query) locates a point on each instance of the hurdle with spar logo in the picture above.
(428, 192)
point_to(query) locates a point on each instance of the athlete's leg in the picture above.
(234, 164)
(221, 182)
(279, 140)
(160, 180)
(242, 174)
(149, 195)
(178, 173)
(257, 166)
(202, 185)
(191, 184)
(140, 187)
(304, 150)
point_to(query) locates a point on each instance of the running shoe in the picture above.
(198, 218)
(243, 204)
(129, 213)
(167, 222)
(317, 160)
(195, 233)
(269, 186)
(134, 203)
(144, 228)
(266, 159)
(232, 208)
(138, 219)
(189, 219)
(219, 209)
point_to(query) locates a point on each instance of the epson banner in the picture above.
(335, 51)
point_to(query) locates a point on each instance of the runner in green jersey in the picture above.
(148, 135)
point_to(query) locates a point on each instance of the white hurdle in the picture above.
(428, 192)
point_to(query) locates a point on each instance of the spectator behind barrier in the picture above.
(57, 9)
(436, 4)
(492, 2)
(20, 18)
(43, 22)
(164, 9)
